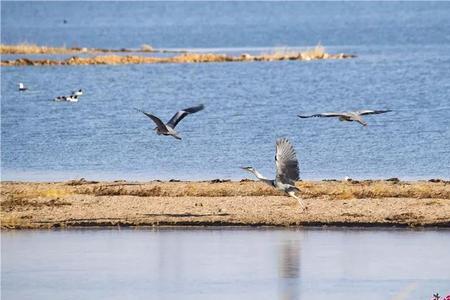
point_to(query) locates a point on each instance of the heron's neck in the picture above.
(258, 175)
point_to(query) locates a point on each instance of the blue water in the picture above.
(403, 64)
(225, 264)
(236, 24)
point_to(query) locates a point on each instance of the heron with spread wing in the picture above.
(352, 116)
(287, 170)
(169, 127)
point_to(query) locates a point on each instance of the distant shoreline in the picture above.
(81, 203)
(36, 49)
(317, 53)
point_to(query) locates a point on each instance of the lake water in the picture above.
(225, 264)
(403, 64)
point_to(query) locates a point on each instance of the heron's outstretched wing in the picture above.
(286, 162)
(183, 113)
(372, 112)
(323, 115)
(155, 119)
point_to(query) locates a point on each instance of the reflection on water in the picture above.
(225, 264)
(289, 269)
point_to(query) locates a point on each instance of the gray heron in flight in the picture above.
(287, 171)
(351, 116)
(169, 127)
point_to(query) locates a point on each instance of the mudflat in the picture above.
(80, 203)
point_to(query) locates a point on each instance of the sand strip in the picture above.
(334, 203)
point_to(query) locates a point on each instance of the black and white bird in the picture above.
(22, 87)
(169, 127)
(287, 170)
(60, 98)
(351, 116)
(77, 93)
(66, 99)
(72, 98)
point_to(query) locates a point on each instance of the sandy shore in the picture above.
(84, 203)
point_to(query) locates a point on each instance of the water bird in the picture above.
(352, 116)
(287, 170)
(77, 93)
(73, 98)
(66, 98)
(169, 127)
(22, 87)
(60, 98)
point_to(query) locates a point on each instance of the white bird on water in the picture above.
(169, 127)
(22, 87)
(77, 93)
(73, 98)
(352, 116)
(287, 170)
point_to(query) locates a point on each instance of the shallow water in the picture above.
(225, 264)
(403, 64)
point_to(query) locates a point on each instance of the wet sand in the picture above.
(249, 203)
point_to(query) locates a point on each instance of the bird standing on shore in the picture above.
(352, 116)
(169, 127)
(287, 170)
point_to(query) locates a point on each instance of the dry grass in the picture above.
(316, 53)
(147, 48)
(180, 189)
(35, 197)
(330, 189)
(377, 189)
(32, 49)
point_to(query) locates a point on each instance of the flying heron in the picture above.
(169, 127)
(349, 116)
(287, 171)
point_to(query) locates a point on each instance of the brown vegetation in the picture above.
(91, 203)
(35, 49)
(314, 54)
(26, 48)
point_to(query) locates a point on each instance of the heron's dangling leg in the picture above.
(361, 122)
(300, 201)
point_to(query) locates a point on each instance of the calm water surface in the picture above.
(225, 264)
(403, 64)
